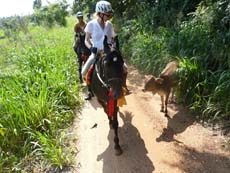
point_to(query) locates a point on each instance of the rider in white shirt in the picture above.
(99, 32)
(96, 30)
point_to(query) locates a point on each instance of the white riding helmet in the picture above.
(79, 14)
(103, 7)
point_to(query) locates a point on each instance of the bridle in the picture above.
(106, 83)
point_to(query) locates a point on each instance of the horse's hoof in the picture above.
(88, 97)
(166, 115)
(118, 152)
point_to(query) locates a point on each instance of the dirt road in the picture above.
(150, 141)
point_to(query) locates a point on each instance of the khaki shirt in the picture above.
(79, 27)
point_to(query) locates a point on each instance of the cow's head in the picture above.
(152, 84)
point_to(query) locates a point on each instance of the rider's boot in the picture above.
(89, 93)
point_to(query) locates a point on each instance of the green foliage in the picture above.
(217, 106)
(52, 14)
(191, 80)
(203, 90)
(86, 5)
(39, 95)
(198, 38)
(37, 4)
(13, 26)
(146, 49)
(51, 148)
(197, 32)
(1, 34)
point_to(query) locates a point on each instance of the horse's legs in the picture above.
(77, 51)
(104, 105)
(118, 150)
(113, 123)
(80, 67)
(162, 104)
(110, 122)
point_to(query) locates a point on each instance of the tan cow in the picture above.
(163, 85)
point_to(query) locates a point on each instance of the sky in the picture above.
(19, 7)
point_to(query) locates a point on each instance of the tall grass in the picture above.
(206, 92)
(38, 97)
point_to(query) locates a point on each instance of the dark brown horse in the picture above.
(106, 85)
(81, 50)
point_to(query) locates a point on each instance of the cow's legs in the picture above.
(162, 104)
(166, 105)
(172, 98)
(166, 100)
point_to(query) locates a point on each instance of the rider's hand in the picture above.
(93, 50)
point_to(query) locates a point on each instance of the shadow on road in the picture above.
(134, 158)
(195, 161)
(95, 103)
(177, 123)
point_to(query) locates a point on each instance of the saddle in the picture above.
(88, 75)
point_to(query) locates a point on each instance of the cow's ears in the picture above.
(159, 80)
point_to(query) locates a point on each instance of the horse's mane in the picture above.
(110, 50)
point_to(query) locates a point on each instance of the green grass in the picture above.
(39, 92)
(1, 33)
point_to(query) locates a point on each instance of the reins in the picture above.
(99, 77)
(106, 85)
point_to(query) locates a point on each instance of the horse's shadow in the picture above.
(94, 103)
(177, 124)
(134, 158)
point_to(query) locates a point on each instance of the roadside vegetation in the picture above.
(197, 34)
(39, 97)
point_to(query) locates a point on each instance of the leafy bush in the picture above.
(13, 26)
(39, 95)
(203, 90)
(52, 14)
(197, 32)
(197, 38)
(145, 49)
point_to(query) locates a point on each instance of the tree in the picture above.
(37, 4)
(83, 5)
(54, 13)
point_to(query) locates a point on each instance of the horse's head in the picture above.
(113, 68)
(80, 38)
